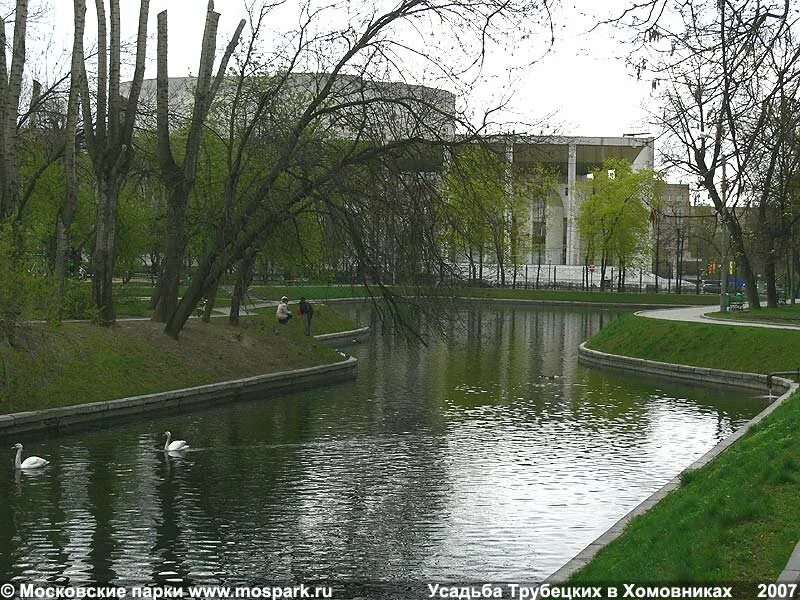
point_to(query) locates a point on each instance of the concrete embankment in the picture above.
(67, 417)
(341, 338)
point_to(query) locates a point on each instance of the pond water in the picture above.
(492, 456)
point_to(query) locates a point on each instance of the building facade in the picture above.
(554, 220)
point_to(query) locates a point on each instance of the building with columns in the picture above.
(572, 159)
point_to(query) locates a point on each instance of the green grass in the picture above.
(737, 518)
(594, 296)
(782, 315)
(311, 291)
(76, 363)
(326, 292)
(711, 345)
(132, 299)
(325, 320)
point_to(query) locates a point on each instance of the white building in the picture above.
(572, 158)
(383, 111)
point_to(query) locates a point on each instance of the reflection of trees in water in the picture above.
(54, 508)
(101, 490)
(8, 529)
(169, 546)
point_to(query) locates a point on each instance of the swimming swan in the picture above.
(176, 445)
(32, 462)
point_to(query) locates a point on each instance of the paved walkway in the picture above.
(696, 314)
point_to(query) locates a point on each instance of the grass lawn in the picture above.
(311, 291)
(711, 345)
(594, 296)
(738, 518)
(782, 315)
(75, 363)
(326, 320)
(326, 292)
(132, 299)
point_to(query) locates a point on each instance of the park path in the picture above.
(697, 314)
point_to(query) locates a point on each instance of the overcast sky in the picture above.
(581, 87)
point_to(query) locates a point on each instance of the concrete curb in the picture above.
(688, 373)
(63, 418)
(791, 574)
(342, 337)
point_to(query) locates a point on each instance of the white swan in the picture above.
(176, 445)
(32, 462)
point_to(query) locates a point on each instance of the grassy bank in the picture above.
(581, 296)
(325, 320)
(77, 363)
(326, 292)
(312, 291)
(133, 298)
(781, 315)
(711, 345)
(737, 518)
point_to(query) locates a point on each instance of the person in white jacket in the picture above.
(283, 313)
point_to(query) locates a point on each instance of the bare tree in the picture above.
(68, 208)
(10, 89)
(716, 66)
(320, 129)
(108, 139)
(179, 179)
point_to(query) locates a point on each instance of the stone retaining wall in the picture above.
(754, 381)
(342, 337)
(757, 381)
(64, 418)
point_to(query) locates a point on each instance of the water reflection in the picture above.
(492, 456)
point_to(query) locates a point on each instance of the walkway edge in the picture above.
(684, 372)
(61, 418)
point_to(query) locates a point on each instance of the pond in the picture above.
(491, 456)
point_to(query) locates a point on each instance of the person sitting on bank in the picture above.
(283, 313)
(307, 312)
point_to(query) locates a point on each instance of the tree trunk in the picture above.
(603, 272)
(205, 280)
(103, 255)
(211, 302)
(67, 212)
(179, 179)
(796, 268)
(769, 275)
(10, 87)
(658, 246)
(109, 142)
(747, 271)
(245, 275)
(168, 288)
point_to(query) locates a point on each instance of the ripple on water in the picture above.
(496, 458)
